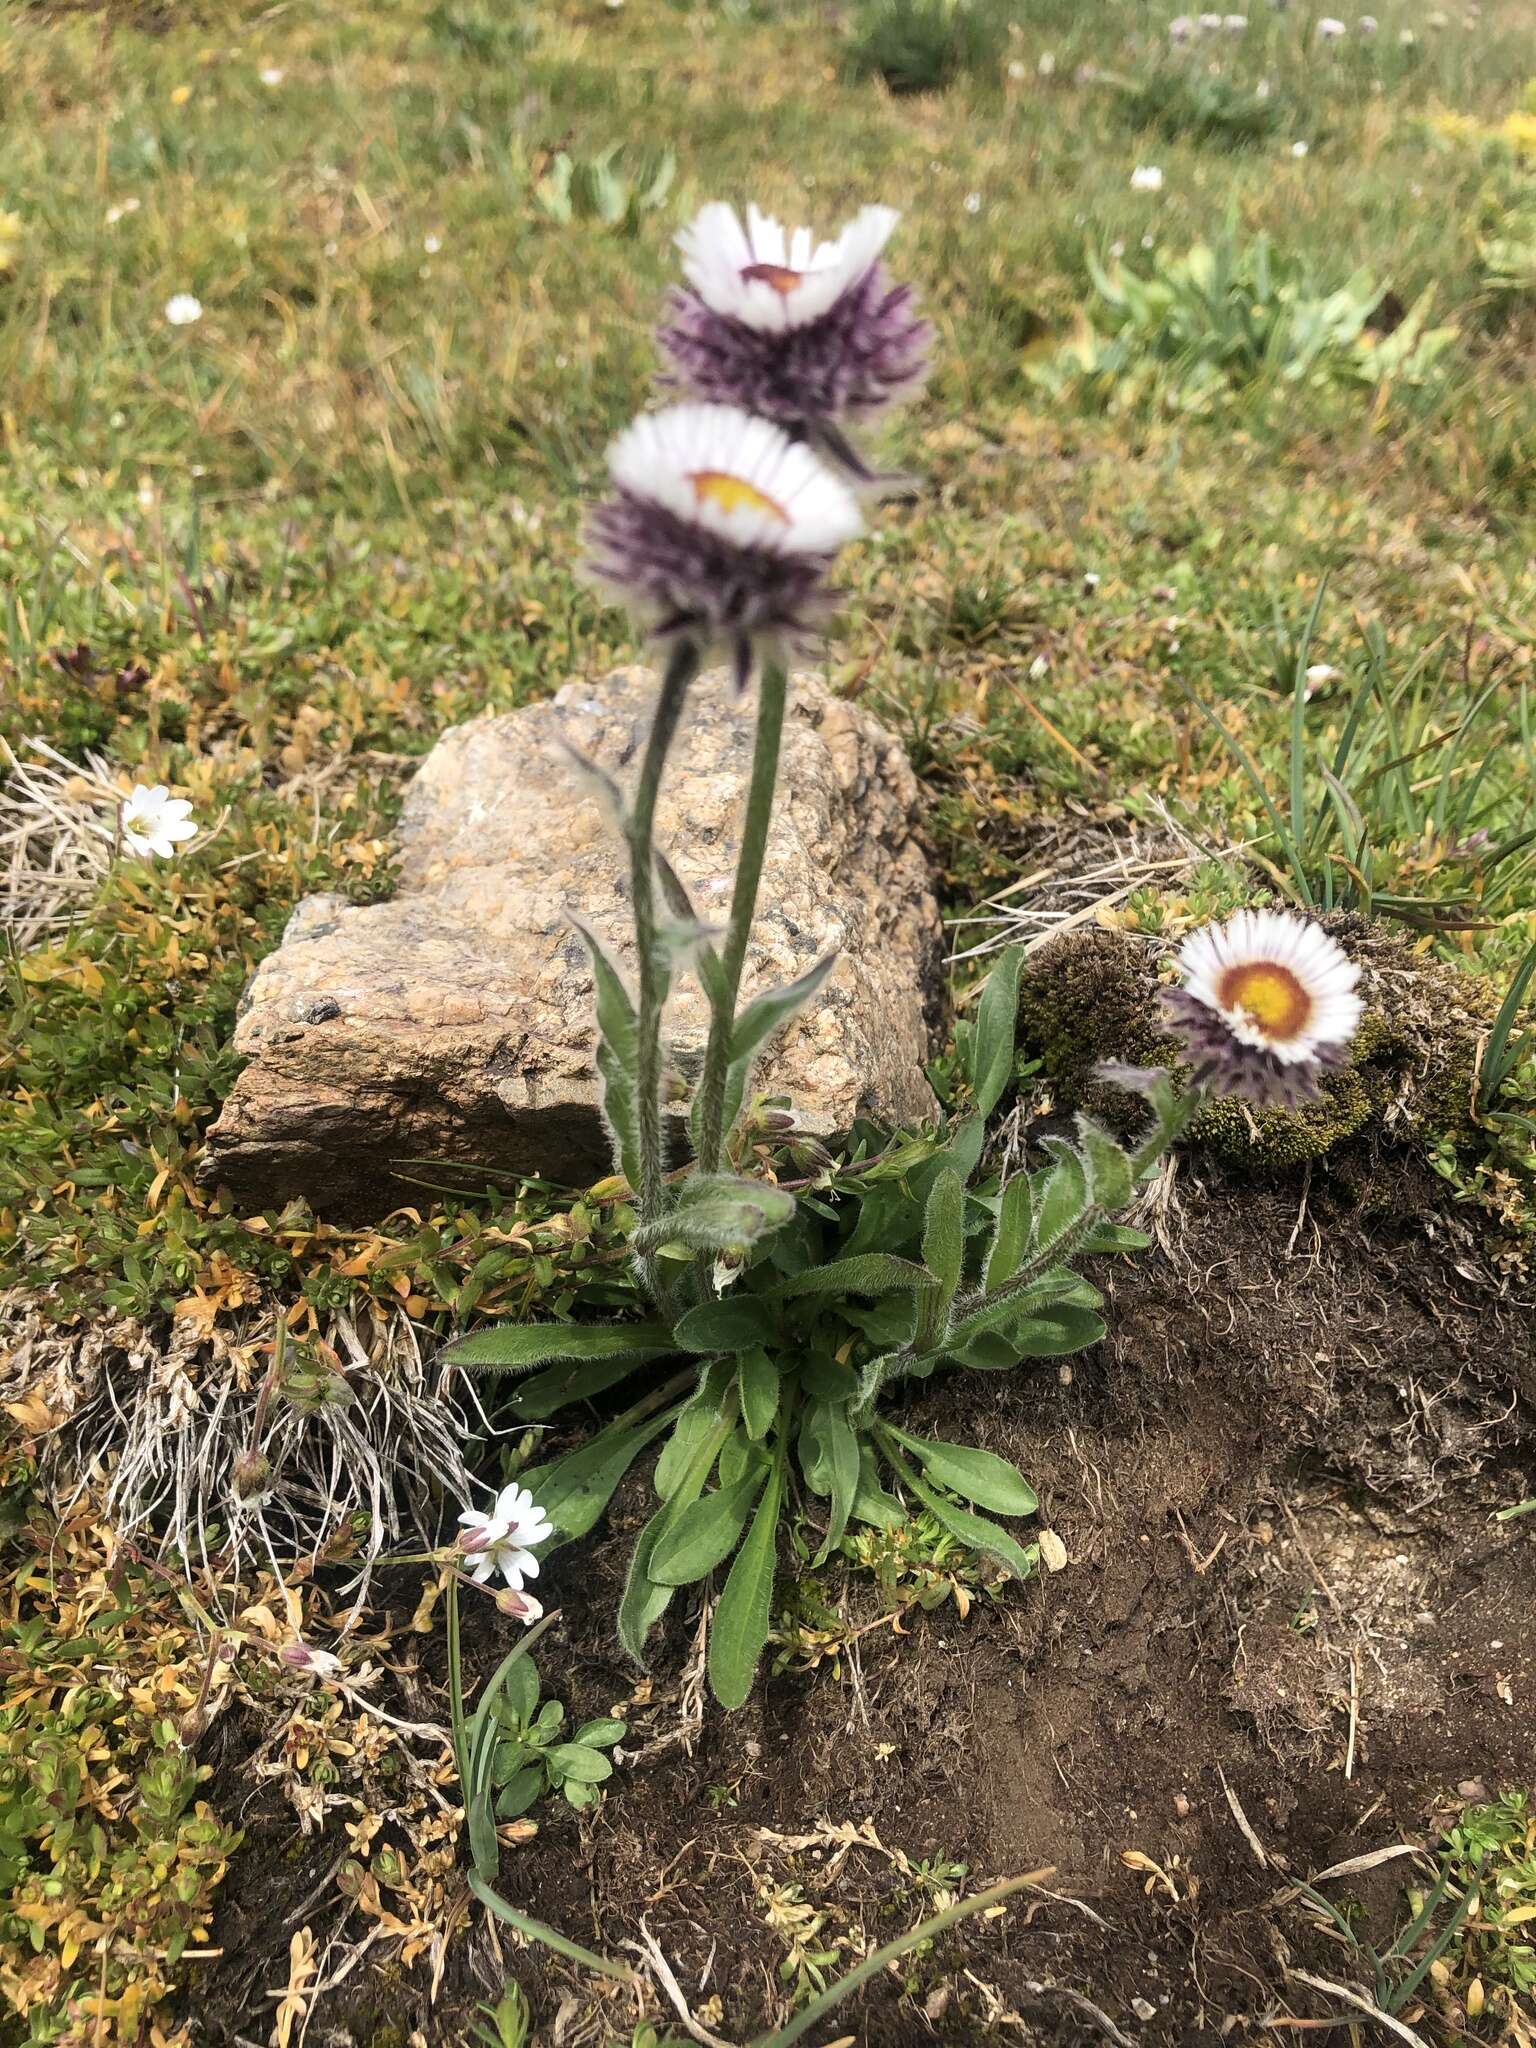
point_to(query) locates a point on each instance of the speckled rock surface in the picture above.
(455, 1021)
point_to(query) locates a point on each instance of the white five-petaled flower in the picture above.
(182, 309)
(738, 477)
(1147, 178)
(1268, 1000)
(503, 1540)
(758, 273)
(152, 820)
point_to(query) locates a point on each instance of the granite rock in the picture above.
(454, 1022)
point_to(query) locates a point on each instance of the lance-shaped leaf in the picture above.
(1109, 1170)
(517, 1347)
(979, 1476)
(757, 1023)
(706, 961)
(1063, 1197)
(976, 1530)
(868, 1273)
(759, 1388)
(618, 1055)
(719, 1212)
(943, 1252)
(574, 1490)
(989, 1061)
(740, 1627)
(707, 1530)
(1015, 1227)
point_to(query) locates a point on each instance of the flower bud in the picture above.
(520, 1606)
(301, 1656)
(251, 1479)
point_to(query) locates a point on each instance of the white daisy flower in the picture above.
(767, 278)
(503, 1540)
(736, 476)
(1268, 1000)
(182, 309)
(153, 821)
(1147, 178)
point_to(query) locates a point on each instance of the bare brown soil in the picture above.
(1287, 1631)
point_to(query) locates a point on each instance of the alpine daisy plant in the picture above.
(783, 1319)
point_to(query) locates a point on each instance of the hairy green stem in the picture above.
(772, 692)
(653, 969)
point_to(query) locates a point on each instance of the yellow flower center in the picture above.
(733, 494)
(1269, 995)
(779, 275)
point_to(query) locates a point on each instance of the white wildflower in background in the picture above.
(1407, 38)
(973, 202)
(152, 820)
(1046, 68)
(272, 75)
(1018, 69)
(1210, 23)
(1181, 28)
(1268, 1002)
(432, 243)
(1147, 178)
(1235, 24)
(1318, 674)
(1299, 149)
(1330, 28)
(503, 1540)
(121, 211)
(182, 309)
(1367, 25)
(1091, 580)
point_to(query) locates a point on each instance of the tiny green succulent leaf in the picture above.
(517, 1347)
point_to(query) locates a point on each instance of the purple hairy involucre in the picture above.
(868, 351)
(692, 583)
(1221, 1062)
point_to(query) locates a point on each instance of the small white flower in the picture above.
(121, 211)
(1147, 178)
(432, 243)
(1329, 29)
(1117, 250)
(1039, 667)
(1319, 674)
(1181, 28)
(272, 75)
(1046, 68)
(503, 1540)
(773, 278)
(1367, 24)
(1299, 149)
(182, 309)
(1091, 580)
(1436, 20)
(1018, 69)
(152, 820)
(1407, 38)
(301, 1656)
(1234, 24)
(1210, 24)
(1262, 90)
(973, 202)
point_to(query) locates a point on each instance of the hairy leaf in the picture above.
(618, 1054)
(1011, 1238)
(979, 1476)
(759, 1387)
(990, 1050)
(740, 1626)
(706, 1531)
(1109, 1170)
(516, 1347)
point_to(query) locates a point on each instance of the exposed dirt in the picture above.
(1287, 1630)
